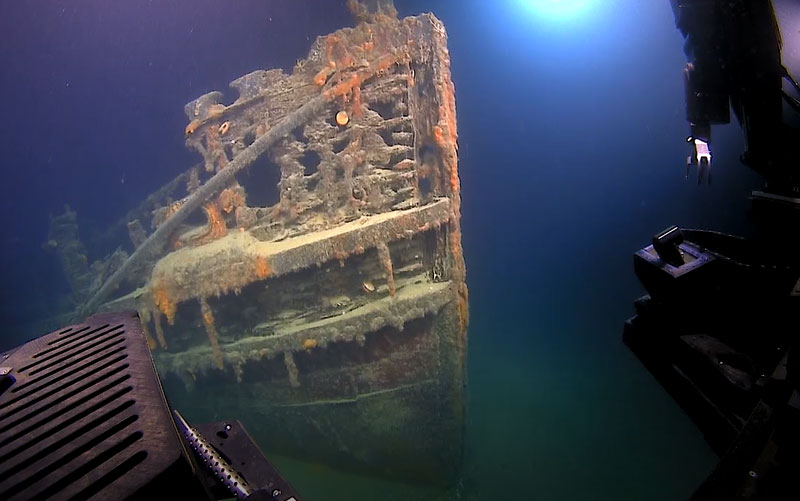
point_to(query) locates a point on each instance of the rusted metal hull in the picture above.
(392, 405)
(323, 301)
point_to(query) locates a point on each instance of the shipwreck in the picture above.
(307, 275)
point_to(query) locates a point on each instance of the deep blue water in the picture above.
(571, 144)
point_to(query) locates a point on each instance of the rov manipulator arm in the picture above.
(734, 52)
(718, 327)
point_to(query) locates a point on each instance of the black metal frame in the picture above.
(83, 415)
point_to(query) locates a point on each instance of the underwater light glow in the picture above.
(558, 9)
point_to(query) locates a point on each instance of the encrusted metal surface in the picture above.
(320, 295)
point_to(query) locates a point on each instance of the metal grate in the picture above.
(85, 411)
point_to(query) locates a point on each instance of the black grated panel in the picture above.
(86, 417)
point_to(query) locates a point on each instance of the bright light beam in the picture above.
(559, 10)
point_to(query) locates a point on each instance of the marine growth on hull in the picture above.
(307, 275)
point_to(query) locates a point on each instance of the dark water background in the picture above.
(571, 141)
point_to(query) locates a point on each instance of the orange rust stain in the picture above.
(193, 125)
(322, 76)
(360, 77)
(445, 132)
(388, 61)
(343, 88)
(263, 269)
(438, 135)
(332, 48)
(216, 227)
(447, 109)
(338, 53)
(455, 186)
(164, 303)
(450, 156)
